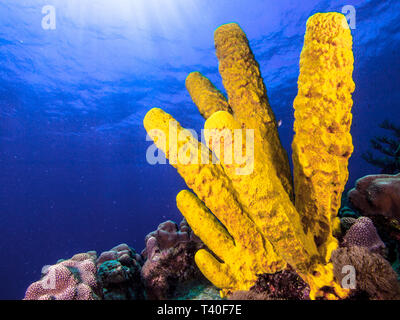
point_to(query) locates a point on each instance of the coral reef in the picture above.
(119, 274)
(165, 270)
(389, 147)
(171, 273)
(262, 230)
(169, 255)
(283, 285)
(249, 230)
(363, 233)
(374, 275)
(72, 279)
(377, 195)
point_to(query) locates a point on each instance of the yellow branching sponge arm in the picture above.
(252, 253)
(322, 143)
(247, 96)
(268, 205)
(206, 97)
(261, 193)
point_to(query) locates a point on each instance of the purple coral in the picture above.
(73, 279)
(363, 233)
(170, 259)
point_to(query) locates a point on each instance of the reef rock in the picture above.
(169, 255)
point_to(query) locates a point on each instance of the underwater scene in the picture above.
(200, 150)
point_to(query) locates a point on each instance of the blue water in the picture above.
(73, 172)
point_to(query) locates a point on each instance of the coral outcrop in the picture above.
(247, 218)
(72, 279)
(119, 274)
(169, 255)
(377, 195)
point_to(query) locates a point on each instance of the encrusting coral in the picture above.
(247, 217)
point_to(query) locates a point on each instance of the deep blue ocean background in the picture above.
(73, 171)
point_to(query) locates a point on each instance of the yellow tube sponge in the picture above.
(268, 205)
(322, 143)
(262, 195)
(206, 97)
(247, 96)
(253, 253)
(242, 207)
(235, 265)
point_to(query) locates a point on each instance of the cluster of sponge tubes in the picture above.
(262, 222)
